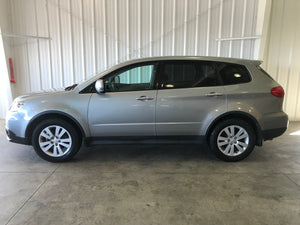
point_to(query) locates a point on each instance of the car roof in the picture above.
(204, 58)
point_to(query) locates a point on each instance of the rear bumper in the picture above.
(272, 133)
(15, 139)
(274, 125)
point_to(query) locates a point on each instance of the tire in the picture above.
(55, 140)
(232, 140)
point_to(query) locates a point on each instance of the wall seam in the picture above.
(50, 48)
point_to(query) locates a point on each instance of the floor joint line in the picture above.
(30, 197)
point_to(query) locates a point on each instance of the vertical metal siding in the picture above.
(88, 36)
(5, 87)
(283, 55)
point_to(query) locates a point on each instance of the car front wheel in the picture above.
(232, 140)
(55, 140)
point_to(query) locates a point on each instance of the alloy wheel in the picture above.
(233, 140)
(55, 141)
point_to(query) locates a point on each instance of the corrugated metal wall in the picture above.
(5, 90)
(283, 52)
(80, 38)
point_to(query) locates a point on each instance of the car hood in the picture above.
(31, 96)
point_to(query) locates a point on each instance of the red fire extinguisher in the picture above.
(12, 78)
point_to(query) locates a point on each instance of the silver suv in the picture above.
(232, 103)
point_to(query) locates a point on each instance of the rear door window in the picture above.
(188, 74)
(233, 73)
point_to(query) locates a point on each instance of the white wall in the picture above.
(87, 36)
(80, 38)
(282, 52)
(5, 88)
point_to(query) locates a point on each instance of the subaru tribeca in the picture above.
(233, 104)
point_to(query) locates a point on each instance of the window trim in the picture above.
(158, 67)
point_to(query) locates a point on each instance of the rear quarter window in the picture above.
(233, 73)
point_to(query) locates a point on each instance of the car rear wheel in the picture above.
(232, 140)
(55, 140)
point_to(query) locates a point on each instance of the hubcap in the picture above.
(55, 141)
(233, 140)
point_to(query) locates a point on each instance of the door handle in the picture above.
(213, 94)
(144, 98)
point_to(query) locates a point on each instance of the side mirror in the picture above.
(99, 86)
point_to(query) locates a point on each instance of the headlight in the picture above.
(16, 106)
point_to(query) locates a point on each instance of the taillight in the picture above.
(278, 92)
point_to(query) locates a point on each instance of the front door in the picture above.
(127, 108)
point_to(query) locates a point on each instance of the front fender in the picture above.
(71, 114)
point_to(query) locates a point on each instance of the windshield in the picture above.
(93, 78)
(81, 83)
(69, 88)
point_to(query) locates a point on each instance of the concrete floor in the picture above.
(149, 184)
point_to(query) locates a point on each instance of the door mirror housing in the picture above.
(99, 86)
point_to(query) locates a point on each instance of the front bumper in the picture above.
(15, 139)
(15, 126)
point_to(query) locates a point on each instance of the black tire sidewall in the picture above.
(220, 126)
(74, 135)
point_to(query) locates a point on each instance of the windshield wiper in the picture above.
(69, 88)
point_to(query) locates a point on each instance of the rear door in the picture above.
(189, 95)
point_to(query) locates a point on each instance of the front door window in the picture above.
(133, 79)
